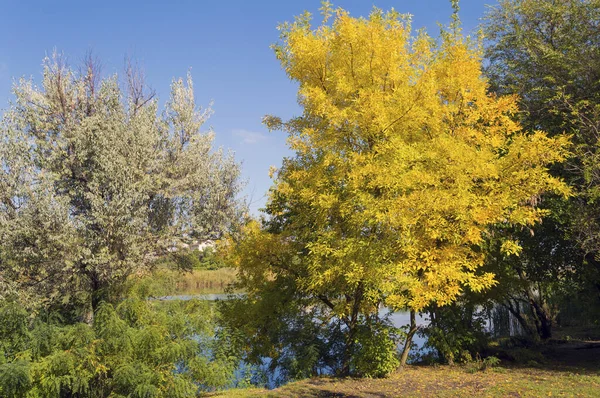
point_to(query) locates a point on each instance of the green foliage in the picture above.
(533, 284)
(188, 260)
(139, 348)
(547, 54)
(185, 261)
(15, 379)
(481, 365)
(298, 341)
(157, 284)
(402, 162)
(376, 350)
(211, 260)
(456, 332)
(14, 332)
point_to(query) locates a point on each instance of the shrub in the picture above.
(140, 348)
(376, 353)
(456, 333)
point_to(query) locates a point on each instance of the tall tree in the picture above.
(95, 183)
(548, 53)
(402, 162)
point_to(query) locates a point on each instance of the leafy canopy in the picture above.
(402, 160)
(402, 163)
(547, 53)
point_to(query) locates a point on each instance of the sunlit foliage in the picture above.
(402, 163)
(138, 348)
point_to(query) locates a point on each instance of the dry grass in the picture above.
(205, 281)
(443, 381)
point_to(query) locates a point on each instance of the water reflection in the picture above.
(208, 297)
(399, 319)
(273, 379)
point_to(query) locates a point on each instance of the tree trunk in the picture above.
(348, 350)
(352, 324)
(590, 258)
(409, 337)
(516, 312)
(543, 320)
(541, 314)
(96, 297)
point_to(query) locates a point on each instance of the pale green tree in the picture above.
(96, 182)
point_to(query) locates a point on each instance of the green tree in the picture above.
(95, 182)
(530, 284)
(402, 162)
(547, 53)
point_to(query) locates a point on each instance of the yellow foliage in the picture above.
(403, 161)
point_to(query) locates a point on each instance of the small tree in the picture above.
(95, 183)
(402, 162)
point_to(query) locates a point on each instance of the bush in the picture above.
(15, 379)
(479, 364)
(210, 260)
(376, 352)
(186, 260)
(189, 260)
(139, 348)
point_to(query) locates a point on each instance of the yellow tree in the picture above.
(402, 162)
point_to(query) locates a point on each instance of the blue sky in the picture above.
(225, 44)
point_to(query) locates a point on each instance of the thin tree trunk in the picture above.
(409, 337)
(348, 351)
(352, 325)
(96, 297)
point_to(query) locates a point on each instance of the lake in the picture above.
(272, 380)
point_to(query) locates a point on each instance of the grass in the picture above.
(204, 281)
(443, 381)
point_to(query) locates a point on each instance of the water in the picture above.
(398, 319)
(272, 379)
(208, 297)
(402, 318)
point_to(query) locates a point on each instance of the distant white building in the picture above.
(195, 245)
(201, 246)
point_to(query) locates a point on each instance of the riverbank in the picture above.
(567, 367)
(443, 381)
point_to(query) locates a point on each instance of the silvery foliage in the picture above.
(95, 182)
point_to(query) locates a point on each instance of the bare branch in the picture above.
(138, 92)
(91, 71)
